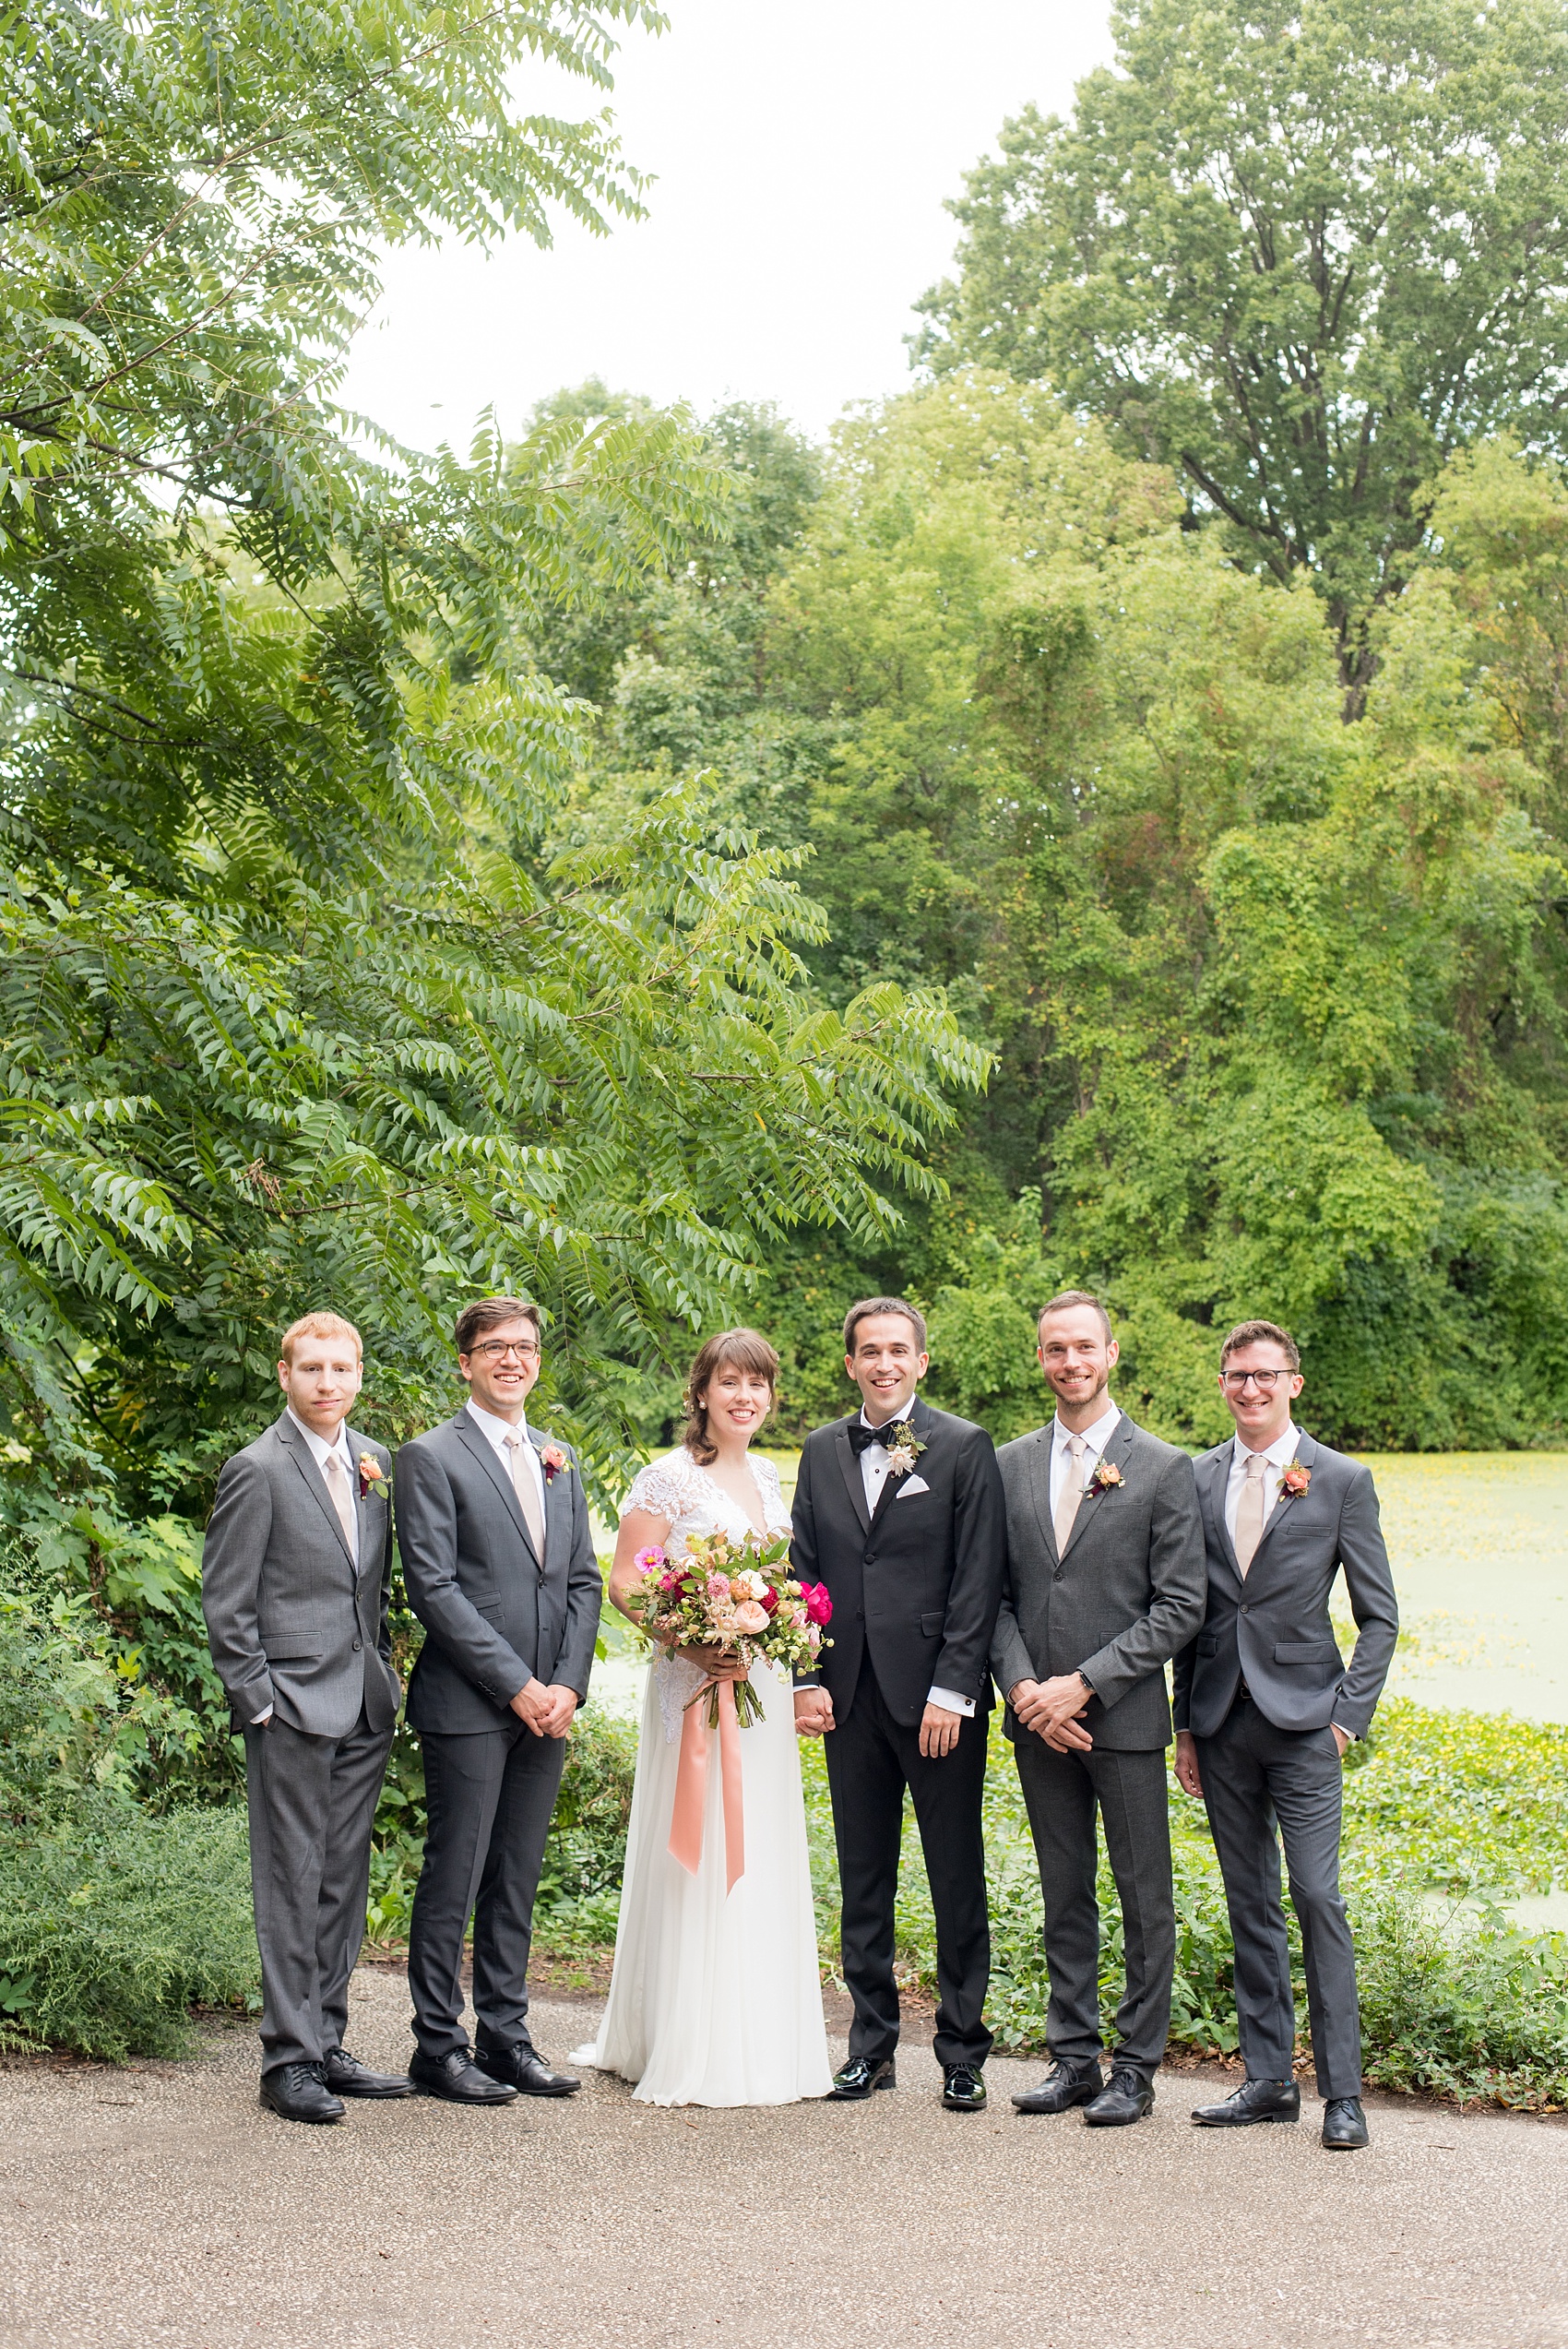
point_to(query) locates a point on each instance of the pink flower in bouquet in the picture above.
(751, 1616)
(718, 1589)
(819, 1605)
(648, 1561)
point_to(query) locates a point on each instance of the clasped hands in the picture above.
(546, 1711)
(1052, 1709)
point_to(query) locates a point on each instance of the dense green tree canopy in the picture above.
(1300, 254)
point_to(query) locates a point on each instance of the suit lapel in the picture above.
(1040, 1487)
(1306, 1452)
(1213, 1475)
(1095, 1500)
(552, 1499)
(484, 1452)
(299, 1452)
(849, 1467)
(917, 1416)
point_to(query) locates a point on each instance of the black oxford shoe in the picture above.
(1255, 2100)
(1344, 2125)
(459, 2078)
(1062, 2087)
(297, 2091)
(346, 2076)
(963, 2089)
(1126, 2096)
(521, 2068)
(858, 2078)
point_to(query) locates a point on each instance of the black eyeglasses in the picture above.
(1234, 1382)
(493, 1350)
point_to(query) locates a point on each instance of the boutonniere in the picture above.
(373, 1476)
(554, 1461)
(1294, 1479)
(904, 1450)
(1106, 1477)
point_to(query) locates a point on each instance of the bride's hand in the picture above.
(719, 1663)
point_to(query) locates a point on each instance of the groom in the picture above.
(899, 1510)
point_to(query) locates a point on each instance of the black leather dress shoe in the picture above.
(1255, 2100)
(963, 2088)
(1344, 2125)
(346, 2076)
(521, 2068)
(459, 2078)
(1126, 2096)
(858, 2078)
(1062, 2087)
(298, 2092)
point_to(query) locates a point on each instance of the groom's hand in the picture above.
(938, 1732)
(1050, 1708)
(563, 1704)
(535, 1708)
(814, 1712)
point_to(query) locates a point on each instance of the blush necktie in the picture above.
(1072, 1493)
(343, 1499)
(526, 1490)
(1250, 1512)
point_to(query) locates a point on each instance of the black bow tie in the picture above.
(861, 1435)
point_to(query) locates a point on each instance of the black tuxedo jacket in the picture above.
(919, 1584)
(495, 1615)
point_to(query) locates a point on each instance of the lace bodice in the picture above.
(676, 1489)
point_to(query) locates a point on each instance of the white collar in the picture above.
(896, 1418)
(1096, 1437)
(497, 1429)
(1280, 1453)
(321, 1450)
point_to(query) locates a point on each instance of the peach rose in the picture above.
(750, 1618)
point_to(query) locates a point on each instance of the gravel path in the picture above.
(160, 2205)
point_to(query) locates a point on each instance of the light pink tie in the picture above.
(1250, 1512)
(1072, 1493)
(528, 1495)
(343, 1499)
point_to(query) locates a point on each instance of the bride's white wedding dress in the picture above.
(714, 1997)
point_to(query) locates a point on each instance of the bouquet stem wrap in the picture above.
(691, 1784)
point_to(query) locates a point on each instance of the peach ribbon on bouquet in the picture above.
(691, 1785)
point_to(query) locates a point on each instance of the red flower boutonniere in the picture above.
(1294, 1480)
(373, 1476)
(554, 1461)
(1106, 1477)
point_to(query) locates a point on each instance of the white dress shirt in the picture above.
(497, 1432)
(321, 1451)
(1278, 1458)
(1094, 1438)
(874, 1475)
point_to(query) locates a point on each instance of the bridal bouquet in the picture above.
(735, 1595)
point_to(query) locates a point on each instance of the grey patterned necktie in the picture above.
(1071, 1495)
(343, 1499)
(1250, 1512)
(526, 1489)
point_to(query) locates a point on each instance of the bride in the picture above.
(714, 1997)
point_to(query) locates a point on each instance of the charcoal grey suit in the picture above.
(1259, 1688)
(1116, 1604)
(495, 1617)
(293, 1622)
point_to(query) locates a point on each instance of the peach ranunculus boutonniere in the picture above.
(1294, 1479)
(555, 1462)
(373, 1476)
(1106, 1477)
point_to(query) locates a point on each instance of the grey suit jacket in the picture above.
(495, 1615)
(1273, 1628)
(289, 1620)
(1127, 1592)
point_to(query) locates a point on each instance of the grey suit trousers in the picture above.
(1253, 1775)
(312, 1806)
(1060, 1794)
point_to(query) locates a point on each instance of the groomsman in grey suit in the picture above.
(493, 1525)
(1265, 1709)
(1105, 1583)
(295, 1578)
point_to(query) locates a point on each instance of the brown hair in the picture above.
(1261, 1333)
(748, 1350)
(489, 1312)
(869, 1305)
(1074, 1296)
(317, 1325)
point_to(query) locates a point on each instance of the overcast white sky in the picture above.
(803, 153)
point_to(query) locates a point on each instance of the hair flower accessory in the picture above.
(904, 1450)
(555, 1462)
(373, 1476)
(1106, 1477)
(1294, 1479)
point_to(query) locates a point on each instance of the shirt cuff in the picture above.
(951, 1702)
(257, 1718)
(1344, 1733)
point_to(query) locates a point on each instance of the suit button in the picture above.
(1246, 1610)
(358, 1643)
(1056, 1576)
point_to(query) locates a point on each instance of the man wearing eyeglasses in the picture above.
(493, 1528)
(1264, 1709)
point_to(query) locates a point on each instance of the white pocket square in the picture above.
(912, 1484)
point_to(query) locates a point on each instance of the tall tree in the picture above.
(1300, 252)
